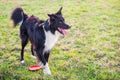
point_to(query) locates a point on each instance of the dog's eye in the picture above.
(60, 21)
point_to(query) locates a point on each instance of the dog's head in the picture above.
(58, 22)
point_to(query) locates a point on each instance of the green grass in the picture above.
(91, 50)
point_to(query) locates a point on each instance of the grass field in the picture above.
(91, 50)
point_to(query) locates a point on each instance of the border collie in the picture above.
(42, 34)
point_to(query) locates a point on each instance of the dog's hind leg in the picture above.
(32, 51)
(23, 44)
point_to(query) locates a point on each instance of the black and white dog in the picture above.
(42, 34)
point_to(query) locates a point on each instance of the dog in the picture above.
(42, 34)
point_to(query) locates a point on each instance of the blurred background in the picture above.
(90, 51)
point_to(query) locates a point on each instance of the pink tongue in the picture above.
(64, 31)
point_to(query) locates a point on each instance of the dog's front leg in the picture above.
(43, 62)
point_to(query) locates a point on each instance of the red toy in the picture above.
(35, 67)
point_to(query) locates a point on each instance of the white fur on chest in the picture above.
(50, 40)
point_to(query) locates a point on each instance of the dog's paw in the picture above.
(46, 70)
(33, 56)
(22, 62)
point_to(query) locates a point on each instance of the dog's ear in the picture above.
(52, 16)
(59, 11)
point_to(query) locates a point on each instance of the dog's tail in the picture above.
(18, 16)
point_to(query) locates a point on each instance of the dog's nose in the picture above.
(69, 26)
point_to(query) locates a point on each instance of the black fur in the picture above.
(26, 28)
(34, 29)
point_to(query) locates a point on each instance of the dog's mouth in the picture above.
(62, 31)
